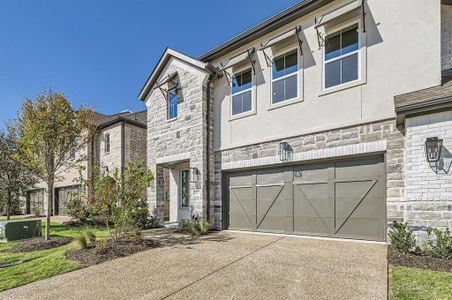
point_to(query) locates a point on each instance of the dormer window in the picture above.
(172, 104)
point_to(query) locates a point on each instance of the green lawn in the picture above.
(413, 284)
(3, 218)
(40, 264)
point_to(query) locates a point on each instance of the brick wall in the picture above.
(446, 37)
(428, 185)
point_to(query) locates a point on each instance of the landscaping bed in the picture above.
(105, 251)
(38, 244)
(417, 260)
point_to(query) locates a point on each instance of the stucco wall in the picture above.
(428, 185)
(396, 63)
(446, 37)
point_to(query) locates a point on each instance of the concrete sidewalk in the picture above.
(228, 265)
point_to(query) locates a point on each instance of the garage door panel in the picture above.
(272, 208)
(242, 208)
(271, 177)
(311, 200)
(313, 173)
(369, 229)
(242, 179)
(359, 168)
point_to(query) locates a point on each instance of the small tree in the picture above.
(15, 179)
(119, 199)
(48, 130)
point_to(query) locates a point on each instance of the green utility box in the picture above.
(19, 230)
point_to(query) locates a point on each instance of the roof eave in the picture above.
(292, 13)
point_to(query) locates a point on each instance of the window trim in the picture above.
(168, 105)
(251, 89)
(294, 99)
(107, 146)
(361, 58)
(188, 184)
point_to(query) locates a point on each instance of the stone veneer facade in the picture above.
(365, 133)
(180, 140)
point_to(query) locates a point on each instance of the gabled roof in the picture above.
(166, 56)
(138, 119)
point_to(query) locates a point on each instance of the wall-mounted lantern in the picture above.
(433, 147)
(194, 175)
(284, 150)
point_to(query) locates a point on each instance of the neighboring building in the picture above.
(119, 139)
(299, 125)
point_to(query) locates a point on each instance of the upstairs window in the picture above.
(285, 77)
(172, 104)
(341, 63)
(72, 150)
(241, 92)
(107, 143)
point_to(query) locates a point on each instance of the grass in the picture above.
(414, 284)
(43, 264)
(3, 218)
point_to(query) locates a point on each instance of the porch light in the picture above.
(433, 147)
(284, 149)
(194, 175)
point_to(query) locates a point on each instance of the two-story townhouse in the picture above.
(309, 123)
(119, 139)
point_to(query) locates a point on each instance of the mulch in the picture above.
(38, 244)
(93, 255)
(417, 260)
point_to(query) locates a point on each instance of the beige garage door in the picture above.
(337, 199)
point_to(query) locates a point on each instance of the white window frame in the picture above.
(291, 100)
(107, 139)
(168, 105)
(251, 111)
(360, 58)
(188, 182)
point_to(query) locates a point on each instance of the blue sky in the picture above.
(99, 53)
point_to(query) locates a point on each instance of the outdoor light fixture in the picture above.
(433, 147)
(284, 149)
(194, 175)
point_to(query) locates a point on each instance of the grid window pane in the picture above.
(349, 68)
(278, 91)
(285, 64)
(290, 87)
(333, 73)
(236, 104)
(241, 81)
(246, 101)
(332, 46)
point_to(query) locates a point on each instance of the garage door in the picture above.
(63, 196)
(337, 199)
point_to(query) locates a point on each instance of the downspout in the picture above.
(211, 78)
(123, 154)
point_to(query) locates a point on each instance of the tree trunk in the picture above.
(50, 184)
(8, 205)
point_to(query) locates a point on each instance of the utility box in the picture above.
(19, 230)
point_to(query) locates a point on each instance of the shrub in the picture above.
(77, 208)
(194, 227)
(84, 238)
(401, 238)
(439, 246)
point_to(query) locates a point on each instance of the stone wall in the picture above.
(446, 37)
(184, 136)
(384, 130)
(135, 143)
(428, 185)
(112, 159)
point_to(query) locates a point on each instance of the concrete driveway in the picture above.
(228, 265)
